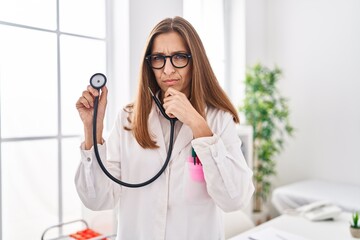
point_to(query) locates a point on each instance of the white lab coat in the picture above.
(174, 206)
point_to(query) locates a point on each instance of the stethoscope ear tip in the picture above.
(152, 94)
(98, 80)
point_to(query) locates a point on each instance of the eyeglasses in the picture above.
(178, 60)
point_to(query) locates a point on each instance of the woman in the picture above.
(178, 205)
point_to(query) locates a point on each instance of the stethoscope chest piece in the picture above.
(98, 80)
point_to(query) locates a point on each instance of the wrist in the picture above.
(200, 128)
(88, 133)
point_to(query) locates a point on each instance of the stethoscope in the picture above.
(97, 81)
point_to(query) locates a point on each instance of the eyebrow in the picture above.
(175, 52)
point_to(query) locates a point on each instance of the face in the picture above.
(170, 76)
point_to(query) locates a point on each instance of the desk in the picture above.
(324, 230)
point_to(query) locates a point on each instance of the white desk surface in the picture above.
(337, 229)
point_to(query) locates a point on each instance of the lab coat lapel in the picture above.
(184, 138)
(156, 132)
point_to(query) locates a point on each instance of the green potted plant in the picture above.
(354, 225)
(268, 114)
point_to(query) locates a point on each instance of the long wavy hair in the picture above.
(205, 89)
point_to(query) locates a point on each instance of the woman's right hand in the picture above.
(85, 107)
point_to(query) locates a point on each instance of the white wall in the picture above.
(235, 50)
(317, 44)
(255, 35)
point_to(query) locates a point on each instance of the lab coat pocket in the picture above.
(195, 185)
(196, 171)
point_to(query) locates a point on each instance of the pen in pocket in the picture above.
(195, 158)
(193, 154)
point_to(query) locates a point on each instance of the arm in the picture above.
(95, 190)
(228, 178)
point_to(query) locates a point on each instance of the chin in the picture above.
(176, 87)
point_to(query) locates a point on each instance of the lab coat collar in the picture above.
(182, 140)
(156, 131)
(184, 137)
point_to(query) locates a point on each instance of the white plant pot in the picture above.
(355, 232)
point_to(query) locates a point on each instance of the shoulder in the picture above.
(124, 116)
(218, 114)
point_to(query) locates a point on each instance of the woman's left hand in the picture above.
(176, 104)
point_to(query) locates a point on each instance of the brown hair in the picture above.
(205, 89)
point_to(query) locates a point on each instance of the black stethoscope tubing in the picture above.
(98, 85)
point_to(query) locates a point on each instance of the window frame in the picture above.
(59, 136)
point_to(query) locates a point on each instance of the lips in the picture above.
(170, 81)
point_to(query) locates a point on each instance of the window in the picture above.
(48, 51)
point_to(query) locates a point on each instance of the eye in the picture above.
(157, 57)
(180, 56)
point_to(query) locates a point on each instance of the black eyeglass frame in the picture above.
(148, 59)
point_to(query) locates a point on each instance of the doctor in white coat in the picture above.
(186, 201)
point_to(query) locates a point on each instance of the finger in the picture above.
(88, 97)
(169, 113)
(170, 92)
(169, 105)
(93, 91)
(104, 93)
(82, 102)
(171, 95)
(170, 110)
(167, 99)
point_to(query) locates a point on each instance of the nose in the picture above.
(168, 68)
